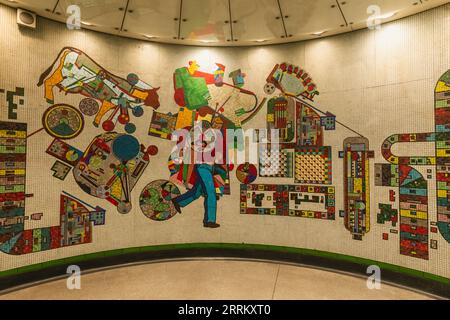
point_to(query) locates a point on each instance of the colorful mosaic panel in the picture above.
(313, 165)
(162, 125)
(275, 163)
(306, 201)
(356, 156)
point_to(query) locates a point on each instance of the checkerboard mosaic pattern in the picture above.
(276, 163)
(313, 165)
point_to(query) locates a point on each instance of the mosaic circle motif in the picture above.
(89, 106)
(130, 128)
(246, 173)
(138, 111)
(108, 125)
(269, 88)
(124, 118)
(152, 150)
(63, 121)
(124, 207)
(72, 156)
(156, 200)
(126, 147)
(133, 79)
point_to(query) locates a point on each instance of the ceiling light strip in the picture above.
(342, 13)
(282, 19)
(56, 6)
(231, 20)
(124, 15)
(179, 19)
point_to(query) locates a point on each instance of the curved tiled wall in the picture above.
(87, 121)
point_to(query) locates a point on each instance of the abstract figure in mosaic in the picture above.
(206, 101)
(413, 192)
(76, 73)
(441, 137)
(291, 80)
(413, 204)
(76, 217)
(442, 120)
(206, 96)
(299, 125)
(111, 166)
(356, 156)
(198, 169)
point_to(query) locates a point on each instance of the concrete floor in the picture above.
(214, 279)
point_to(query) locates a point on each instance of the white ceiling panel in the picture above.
(358, 12)
(205, 20)
(304, 17)
(153, 18)
(227, 22)
(105, 14)
(254, 20)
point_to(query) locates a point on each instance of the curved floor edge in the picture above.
(392, 275)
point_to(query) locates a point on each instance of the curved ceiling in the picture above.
(227, 22)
